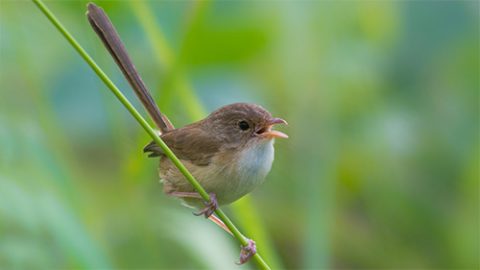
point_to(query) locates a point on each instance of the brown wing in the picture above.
(188, 143)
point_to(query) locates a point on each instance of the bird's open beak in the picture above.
(267, 131)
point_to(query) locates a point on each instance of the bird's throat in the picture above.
(254, 163)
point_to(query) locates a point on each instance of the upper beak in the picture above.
(267, 131)
(274, 121)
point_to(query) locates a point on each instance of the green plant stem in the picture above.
(242, 239)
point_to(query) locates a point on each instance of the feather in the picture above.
(190, 143)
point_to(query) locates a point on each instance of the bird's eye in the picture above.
(243, 125)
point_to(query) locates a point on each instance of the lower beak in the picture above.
(272, 134)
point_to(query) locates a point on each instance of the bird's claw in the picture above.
(210, 207)
(247, 252)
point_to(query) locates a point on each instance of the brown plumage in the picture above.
(195, 142)
(213, 149)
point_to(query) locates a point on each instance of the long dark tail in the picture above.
(107, 33)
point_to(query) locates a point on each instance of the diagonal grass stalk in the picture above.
(240, 237)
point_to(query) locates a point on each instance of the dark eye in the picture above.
(243, 125)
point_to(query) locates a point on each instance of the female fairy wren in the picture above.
(230, 152)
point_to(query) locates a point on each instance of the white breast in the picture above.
(251, 168)
(229, 181)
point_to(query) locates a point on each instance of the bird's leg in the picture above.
(212, 217)
(247, 252)
(210, 206)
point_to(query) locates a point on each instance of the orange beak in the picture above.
(268, 133)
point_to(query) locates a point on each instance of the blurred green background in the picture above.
(381, 170)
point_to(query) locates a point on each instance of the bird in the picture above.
(230, 152)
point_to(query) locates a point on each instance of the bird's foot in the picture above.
(210, 207)
(247, 252)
